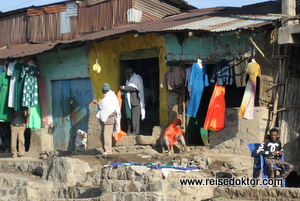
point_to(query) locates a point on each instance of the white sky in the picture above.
(8, 5)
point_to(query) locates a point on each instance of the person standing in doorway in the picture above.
(18, 126)
(135, 95)
(109, 117)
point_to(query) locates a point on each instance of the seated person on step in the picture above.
(171, 136)
(272, 150)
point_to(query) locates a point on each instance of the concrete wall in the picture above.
(108, 54)
(214, 47)
(63, 65)
(238, 132)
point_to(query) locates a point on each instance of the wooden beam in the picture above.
(259, 50)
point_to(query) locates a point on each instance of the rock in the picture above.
(202, 165)
(223, 175)
(140, 169)
(144, 156)
(184, 161)
(214, 172)
(145, 140)
(150, 151)
(134, 186)
(24, 166)
(126, 141)
(67, 171)
(43, 156)
(31, 167)
(156, 186)
(209, 160)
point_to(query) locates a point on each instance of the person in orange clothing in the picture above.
(171, 136)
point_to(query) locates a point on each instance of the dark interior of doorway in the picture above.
(5, 135)
(233, 98)
(148, 69)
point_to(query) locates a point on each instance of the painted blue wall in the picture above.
(63, 65)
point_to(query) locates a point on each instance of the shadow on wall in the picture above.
(292, 152)
(223, 138)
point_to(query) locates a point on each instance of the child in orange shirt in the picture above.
(172, 134)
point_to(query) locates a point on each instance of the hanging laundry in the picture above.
(11, 96)
(19, 85)
(30, 91)
(247, 107)
(222, 73)
(44, 100)
(188, 71)
(34, 119)
(1, 69)
(215, 115)
(239, 66)
(198, 80)
(175, 77)
(5, 111)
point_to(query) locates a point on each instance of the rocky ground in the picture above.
(88, 176)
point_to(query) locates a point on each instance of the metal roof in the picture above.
(219, 24)
(219, 19)
(24, 50)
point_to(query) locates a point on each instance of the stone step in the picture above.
(22, 187)
(257, 193)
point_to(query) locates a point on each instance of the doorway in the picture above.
(71, 99)
(148, 69)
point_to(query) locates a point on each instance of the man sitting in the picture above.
(272, 150)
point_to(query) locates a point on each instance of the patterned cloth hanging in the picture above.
(30, 90)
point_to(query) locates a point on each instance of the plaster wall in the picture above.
(63, 65)
(108, 55)
(215, 47)
(238, 132)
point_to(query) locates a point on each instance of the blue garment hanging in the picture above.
(198, 80)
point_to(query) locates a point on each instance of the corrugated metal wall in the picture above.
(13, 29)
(290, 126)
(40, 25)
(105, 15)
(156, 8)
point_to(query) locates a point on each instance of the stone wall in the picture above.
(142, 183)
(238, 132)
(94, 129)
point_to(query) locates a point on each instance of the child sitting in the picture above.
(171, 136)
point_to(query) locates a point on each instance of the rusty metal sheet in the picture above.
(156, 8)
(46, 9)
(23, 50)
(105, 14)
(290, 128)
(13, 29)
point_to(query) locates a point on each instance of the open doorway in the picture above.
(148, 69)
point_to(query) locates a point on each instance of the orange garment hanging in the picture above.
(215, 115)
(118, 136)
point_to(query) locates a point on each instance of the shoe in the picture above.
(20, 155)
(106, 152)
(14, 156)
